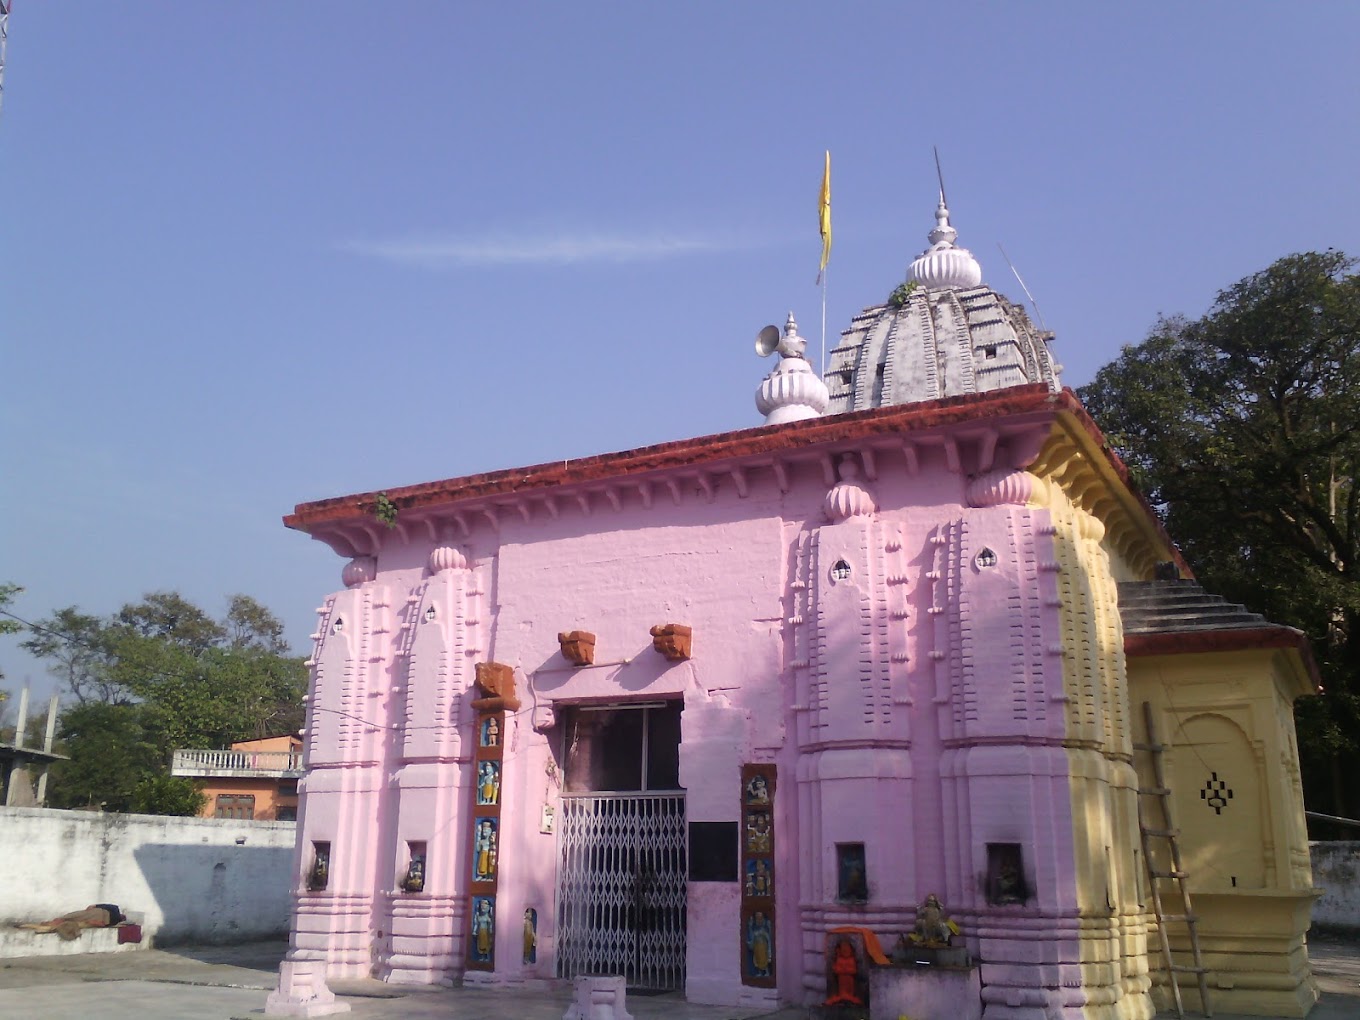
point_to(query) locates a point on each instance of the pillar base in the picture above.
(302, 991)
(598, 998)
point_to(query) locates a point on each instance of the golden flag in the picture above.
(824, 216)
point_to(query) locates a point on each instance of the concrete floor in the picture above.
(231, 982)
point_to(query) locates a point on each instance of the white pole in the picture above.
(824, 324)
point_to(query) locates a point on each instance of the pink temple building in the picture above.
(677, 713)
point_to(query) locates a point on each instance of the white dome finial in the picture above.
(792, 391)
(944, 266)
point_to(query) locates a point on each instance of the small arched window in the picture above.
(841, 571)
(984, 559)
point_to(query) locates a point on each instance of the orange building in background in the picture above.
(253, 779)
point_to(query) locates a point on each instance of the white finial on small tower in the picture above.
(944, 266)
(792, 391)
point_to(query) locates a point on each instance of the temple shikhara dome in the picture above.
(941, 334)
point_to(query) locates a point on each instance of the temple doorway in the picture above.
(621, 877)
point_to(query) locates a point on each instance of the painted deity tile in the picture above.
(759, 881)
(490, 732)
(757, 790)
(488, 783)
(758, 832)
(758, 940)
(485, 849)
(483, 928)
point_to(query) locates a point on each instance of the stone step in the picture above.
(19, 942)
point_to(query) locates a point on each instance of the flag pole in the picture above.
(824, 228)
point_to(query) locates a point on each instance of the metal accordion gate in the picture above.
(621, 887)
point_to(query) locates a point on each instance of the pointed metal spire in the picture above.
(939, 174)
(944, 235)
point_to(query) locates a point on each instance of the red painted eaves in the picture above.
(1230, 640)
(771, 439)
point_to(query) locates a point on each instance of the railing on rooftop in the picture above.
(193, 762)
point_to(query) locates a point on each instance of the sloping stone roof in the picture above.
(1181, 606)
(1178, 617)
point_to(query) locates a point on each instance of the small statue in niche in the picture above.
(758, 832)
(1008, 883)
(415, 875)
(933, 927)
(491, 732)
(759, 880)
(320, 874)
(844, 971)
(484, 851)
(530, 935)
(483, 929)
(757, 790)
(489, 783)
(760, 943)
(1005, 874)
(853, 880)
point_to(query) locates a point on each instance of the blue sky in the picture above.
(259, 254)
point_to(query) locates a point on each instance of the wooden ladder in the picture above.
(1167, 831)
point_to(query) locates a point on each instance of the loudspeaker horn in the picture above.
(767, 341)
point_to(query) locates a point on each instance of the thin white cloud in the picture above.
(560, 249)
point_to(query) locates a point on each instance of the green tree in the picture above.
(250, 625)
(162, 674)
(8, 625)
(1243, 429)
(75, 647)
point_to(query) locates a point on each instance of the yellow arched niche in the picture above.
(1216, 782)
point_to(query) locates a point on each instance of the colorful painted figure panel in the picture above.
(483, 928)
(489, 783)
(759, 877)
(758, 832)
(491, 732)
(759, 946)
(484, 851)
(757, 790)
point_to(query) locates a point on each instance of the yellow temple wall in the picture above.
(1227, 721)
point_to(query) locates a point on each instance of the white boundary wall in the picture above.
(192, 879)
(1336, 871)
